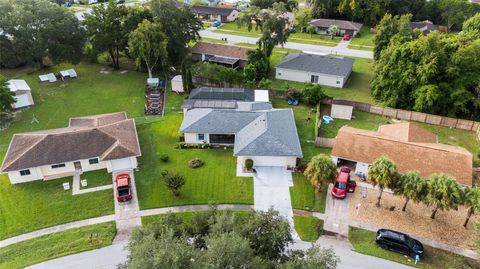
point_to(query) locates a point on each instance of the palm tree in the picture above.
(382, 172)
(321, 169)
(333, 30)
(443, 192)
(472, 201)
(411, 186)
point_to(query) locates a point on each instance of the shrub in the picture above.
(164, 157)
(249, 164)
(195, 163)
(313, 93)
(164, 173)
(174, 182)
(293, 94)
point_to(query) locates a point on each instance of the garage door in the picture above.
(121, 164)
(270, 161)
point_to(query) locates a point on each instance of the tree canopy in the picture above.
(6, 96)
(383, 173)
(436, 73)
(321, 170)
(38, 32)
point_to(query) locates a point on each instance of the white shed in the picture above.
(23, 95)
(341, 111)
(177, 83)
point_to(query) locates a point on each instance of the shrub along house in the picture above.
(107, 141)
(255, 130)
(409, 146)
(317, 69)
(226, 55)
(344, 27)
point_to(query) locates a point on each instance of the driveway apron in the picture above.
(127, 214)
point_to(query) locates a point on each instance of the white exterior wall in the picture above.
(48, 171)
(301, 76)
(233, 16)
(124, 164)
(35, 174)
(341, 112)
(86, 166)
(270, 160)
(192, 138)
(361, 168)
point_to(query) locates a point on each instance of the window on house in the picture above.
(279, 73)
(338, 82)
(93, 161)
(314, 79)
(60, 165)
(201, 136)
(25, 172)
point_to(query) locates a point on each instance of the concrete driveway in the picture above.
(271, 188)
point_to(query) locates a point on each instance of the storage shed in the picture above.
(177, 84)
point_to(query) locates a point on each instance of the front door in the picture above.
(78, 165)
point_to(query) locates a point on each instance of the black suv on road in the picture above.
(399, 242)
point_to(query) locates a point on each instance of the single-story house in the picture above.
(409, 146)
(223, 14)
(318, 69)
(424, 26)
(268, 137)
(107, 141)
(226, 55)
(344, 27)
(227, 98)
(23, 93)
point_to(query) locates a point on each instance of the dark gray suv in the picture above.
(399, 242)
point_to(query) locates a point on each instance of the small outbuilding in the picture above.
(341, 110)
(222, 54)
(177, 84)
(23, 95)
(317, 69)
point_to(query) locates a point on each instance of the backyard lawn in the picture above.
(364, 40)
(186, 217)
(363, 241)
(308, 228)
(304, 196)
(214, 182)
(35, 205)
(56, 245)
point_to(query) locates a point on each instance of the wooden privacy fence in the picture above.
(324, 142)
(410, 115)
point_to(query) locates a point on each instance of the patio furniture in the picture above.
(66, 186)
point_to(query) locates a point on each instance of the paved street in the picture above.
(340, 49)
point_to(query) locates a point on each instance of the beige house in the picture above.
(107, 141)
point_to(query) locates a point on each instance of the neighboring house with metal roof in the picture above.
(107, 141)
(409, 146)
(317, 69)
(23, 93)
(344, 27)
(223, 14)
(268, 137)
(226, 55)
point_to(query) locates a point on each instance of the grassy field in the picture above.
(185, 216)
(231, 28)
(56, 245)
(363, 241)
(213, 40)
(365, 38)
(214, 182)
(357, 87)
(96, 178)
(308, 228)
(305, 197)
(35, 205)
(362, 120)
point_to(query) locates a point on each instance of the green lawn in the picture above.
(364, 38)
(362, 120)
(363, 241)
(305, 197)
(56, 245)
(35, 205)
(185, 216)
(96, 178)
(357, 87)
(213, 40)
(308, 228)
(360, 47)
(214, 182)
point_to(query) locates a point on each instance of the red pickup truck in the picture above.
(123, 186)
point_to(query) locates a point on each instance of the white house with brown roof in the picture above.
(409, 146)
(344, 27)
(107, 141)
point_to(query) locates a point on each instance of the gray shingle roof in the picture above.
(317, 64)
(257, 133)
(341, 24)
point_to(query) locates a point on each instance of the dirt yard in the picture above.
(447, 226)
